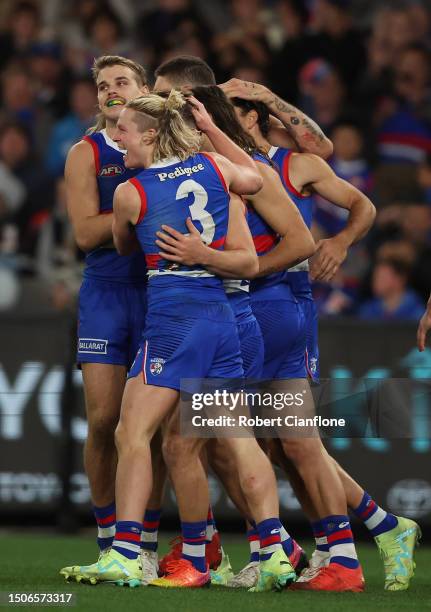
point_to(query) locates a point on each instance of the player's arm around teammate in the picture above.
(277, 209)
(237, 260)
(308, 171)
(302, 132)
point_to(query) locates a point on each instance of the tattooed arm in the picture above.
(305, 133)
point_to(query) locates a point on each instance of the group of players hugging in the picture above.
(193, 206)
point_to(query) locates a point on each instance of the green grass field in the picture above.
(31, 563)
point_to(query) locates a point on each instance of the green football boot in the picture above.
(223, 573)
(111, 567)
(396, 548)
(275, 574)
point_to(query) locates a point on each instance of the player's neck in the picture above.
(110, 128)
(261, 142)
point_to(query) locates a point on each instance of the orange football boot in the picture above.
(334, 578)
(181, 573)
(213, 553)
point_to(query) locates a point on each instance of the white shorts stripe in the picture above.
(144, 373)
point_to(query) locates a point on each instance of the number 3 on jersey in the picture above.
(197, 209)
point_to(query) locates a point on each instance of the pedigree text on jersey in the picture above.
(180, 172)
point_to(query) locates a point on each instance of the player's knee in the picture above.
(175, 449)
(301, 451)
(220, 459)
(101, 428)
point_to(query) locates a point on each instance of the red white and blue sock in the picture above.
(194, 540)
(376, 519)
(269, 536)
(320, 537)
(286, 541)
(127, 539)
(340, 541)
(150, 530)
(211, 528)
(105, 518)
(254, 542)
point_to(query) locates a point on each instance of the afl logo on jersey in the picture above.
(111, 170)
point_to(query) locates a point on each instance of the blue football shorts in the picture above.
(282, 324)
(111, 319)
(185, 340)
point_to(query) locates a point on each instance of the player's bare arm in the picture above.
(275, 206)
(238, 259)
(127, 206)
(424, 326)
(309, 171)
(292, 125)
(242, 171)
(90, 228)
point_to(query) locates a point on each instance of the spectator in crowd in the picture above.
(167, 25)
(70, 129)
(57, 254)
(20, 104)
(337, 40)
(424, 178)
(106, 34)
(244, 41)
(405, 136)
(392, 298)
(50, 76)
(294, 53)
(349, 163)
(22, 32)
(321, 93)
(17, 156)
(416, 229)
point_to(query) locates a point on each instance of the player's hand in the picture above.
(423, 328)
(330, 254)
(202, 118)
(187, 249)
(236, 88)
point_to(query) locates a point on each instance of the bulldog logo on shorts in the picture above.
(313, 365)
(156, 365)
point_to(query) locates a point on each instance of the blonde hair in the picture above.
(171, 117)
(106, 61)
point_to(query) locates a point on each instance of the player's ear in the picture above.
(149, 136)
(251, 119)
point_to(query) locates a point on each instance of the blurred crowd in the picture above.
(360, 68)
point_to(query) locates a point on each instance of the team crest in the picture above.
(156, 365)
(313, 365)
